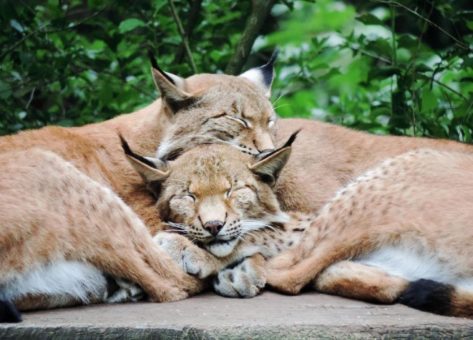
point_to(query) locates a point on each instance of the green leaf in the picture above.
(429, 100)
(423, 68)
(130, 24)
(380, 46)
(5, 90)
(369, 19)
(408, 41)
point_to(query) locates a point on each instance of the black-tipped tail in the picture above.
(429, 296)
(8, 312)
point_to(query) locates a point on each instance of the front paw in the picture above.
(244, 280)
(192, 259)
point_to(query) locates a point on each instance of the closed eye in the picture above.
(239, 120)
(242, 121)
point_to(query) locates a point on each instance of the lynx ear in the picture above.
(270, 165)
(150, 169)
(171, 87)
(263, 75)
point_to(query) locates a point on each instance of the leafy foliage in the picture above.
(382, 66)
(77, 62)
(402, 67)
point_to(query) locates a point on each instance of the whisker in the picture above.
(279, 106)
(176, 231)
(176, 225)
(279, 97)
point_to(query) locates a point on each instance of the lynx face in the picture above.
(209, 108)
(214, 194)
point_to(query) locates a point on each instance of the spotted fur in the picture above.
(406, 220)
(62, 189)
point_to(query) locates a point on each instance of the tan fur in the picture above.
(202, 177)
(420, 200)
(223, 101)
(51, 211)
(96, 151)
(461, 303)
(361, 282)
(61, 187)
(195, 190)
(325, 157)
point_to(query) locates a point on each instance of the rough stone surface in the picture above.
(269, 316)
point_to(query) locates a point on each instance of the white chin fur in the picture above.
(222, 249)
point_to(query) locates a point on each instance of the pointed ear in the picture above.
(150, 169)
(271, 164)
(263, 75)
(171, 87)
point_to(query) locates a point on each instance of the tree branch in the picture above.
(180, 29)
(420, 16)
(192, 20)
(259, 13)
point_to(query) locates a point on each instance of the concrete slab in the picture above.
(269, 316)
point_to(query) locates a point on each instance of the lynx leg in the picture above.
(131, 254)
(358, 281)
(75, 218)
(329, 250)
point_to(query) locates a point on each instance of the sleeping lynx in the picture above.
(400, 232)
(61, 208)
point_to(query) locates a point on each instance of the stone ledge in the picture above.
(208, 316)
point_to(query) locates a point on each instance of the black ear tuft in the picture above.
(8, 312)
(427, 295)
(268, 69)
(268, 153)
(291, 139)
(129, 152)
(152, 59)
(125, 146)
(155, 65)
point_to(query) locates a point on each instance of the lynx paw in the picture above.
(244, 280)
(192, 259)
(126, 292)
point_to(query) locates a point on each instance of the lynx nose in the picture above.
(213, 227)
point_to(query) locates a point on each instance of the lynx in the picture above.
(387, 237)
(61, 231)
(71, 202)
(407, 227)
(221, 199)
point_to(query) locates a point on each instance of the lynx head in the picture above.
(216, 108)
(214, 194)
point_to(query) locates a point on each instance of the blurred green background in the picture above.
(398, 67)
